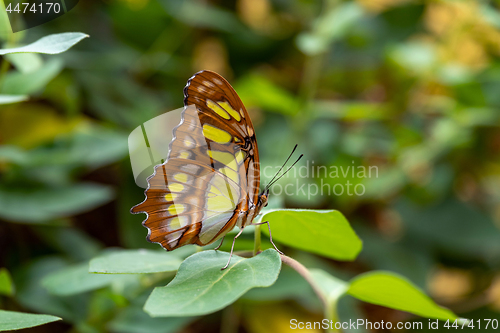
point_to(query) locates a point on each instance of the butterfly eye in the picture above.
(263, 199)
(248, 142)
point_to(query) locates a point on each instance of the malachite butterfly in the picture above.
(210, 181)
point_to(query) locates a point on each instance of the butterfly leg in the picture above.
(232, 247)
(221, 241)
(270, 235)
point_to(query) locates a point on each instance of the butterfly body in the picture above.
(210, 180)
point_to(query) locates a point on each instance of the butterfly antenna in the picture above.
(284, 173)
(293, 150)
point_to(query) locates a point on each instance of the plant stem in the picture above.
(3, 70)
(331, 314)
(5, 64)
(312, 73)
(64, 6)
(257, 235)
(330, 308)
(304, 272)
(245, 254)
(230, 319)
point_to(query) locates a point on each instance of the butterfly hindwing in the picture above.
(211, 174)
(181, 197)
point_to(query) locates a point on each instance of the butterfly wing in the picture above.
(211, 176)
(220, 106)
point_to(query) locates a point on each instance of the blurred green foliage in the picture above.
(410, 88)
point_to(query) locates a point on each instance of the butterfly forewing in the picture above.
(211, 175)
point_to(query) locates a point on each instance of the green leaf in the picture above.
(17, 83)
(326, 233)
(77, 279)
(75, 243)
(135, 261)
(95, 146)
(394, 291)
(6, 285)
(25, 62)
(49, 203)
(260, 91)
(332, 288)
(9, 99)
(351, 111)
(134, 320)
(5, 28)
(201, 287)
(289, 285)
(52, 44)
(329, 285)
(389, 181)
(333, 25)
(416, 57)
(213, 18)
(87, 145)
(11, 320)
(33, 296)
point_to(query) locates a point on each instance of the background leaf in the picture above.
(332, 25)
(70, 241)
(332, 287)
(135, 261)
(52, 44)
(77, 279)
(32, 82)
(49, 203)
(25, 62)
(323, 232)
(10, 320)
(133, 319)
(9, 99)
(33, 296)
(259, 91)
(6, 284)
(393, 291)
